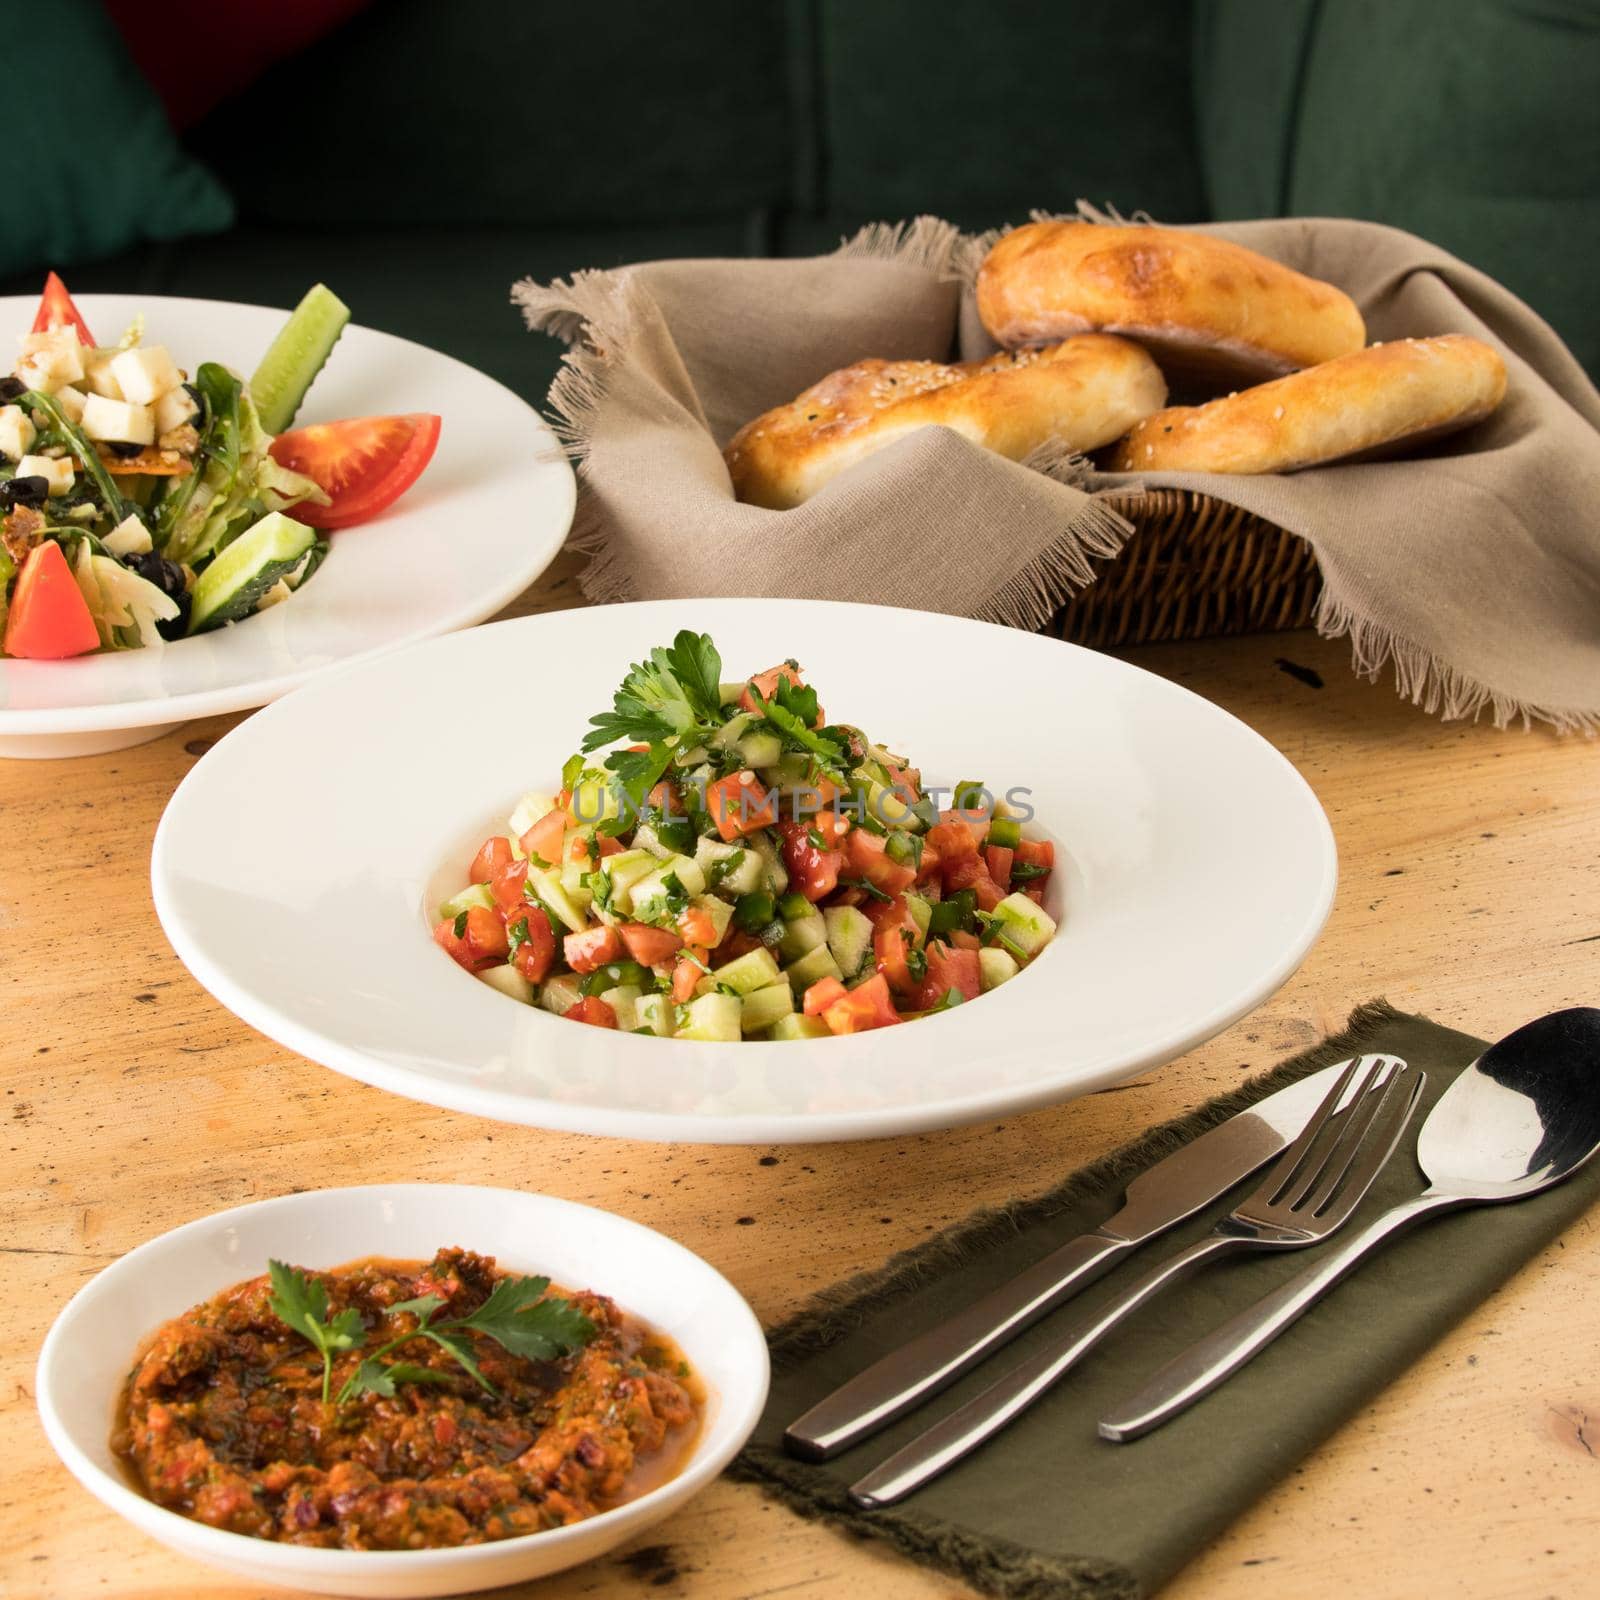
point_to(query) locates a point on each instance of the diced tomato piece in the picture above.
(543, 839)
(864, 855)
(665, 797)
(686, 975)
(608, 845)
(1035, 892)
(948, 968)
(56, 310)
(867, 1006)
(510, 886)
(892, 943)
(813, 870)
(649, 946)
(696, 927)
(963, 940)
(833, 825)
(593, 1010)
(822, 994)
(537, 953)
(49, 619)
(492, 856)
(997, 857)
(971, 873)
(928, 866)
(766, 683)
(1036, 853)
(486, 934)
(877, 911)
(444, 935)
(952, 840)
(739, 805)
(736, 942)
(853, 895)
(977, 821)
(592, 948)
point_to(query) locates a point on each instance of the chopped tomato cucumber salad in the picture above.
(139, 504)
(743, 869)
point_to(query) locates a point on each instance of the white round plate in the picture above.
(89, 1350)
(484, 520)
(298, 864)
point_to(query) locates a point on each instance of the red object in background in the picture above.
(202, 52)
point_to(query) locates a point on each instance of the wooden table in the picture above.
(1470, 890)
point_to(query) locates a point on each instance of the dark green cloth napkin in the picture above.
(1050, 1509)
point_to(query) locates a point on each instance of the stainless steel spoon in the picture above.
(1523, 1116)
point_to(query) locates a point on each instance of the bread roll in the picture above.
(1084, 392)
(1213, 314)
(1366, 404)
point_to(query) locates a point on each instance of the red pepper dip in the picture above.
(223, 1419)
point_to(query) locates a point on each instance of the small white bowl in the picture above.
(89, 1350)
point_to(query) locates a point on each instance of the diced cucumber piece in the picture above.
(533, 807)
(754, 970)
(625, 870)
(595, 798)
(232, 586)
(623, 1000)
(1026, 924)
(547, 886)
(763, 1007)
(777, 874)
(645, 837)
(720, 912)
(296, 356)
(849, 938)
(730, 869)
(653, 1011)
(652, 893)
(509, 982)
(788, 770)
(921, 911)
(996, 966)
(475, 894)
(795, 1026)
(714, 1017)
(733, 730)
(890, 809)
(811, 968)
(758, 748)
(561, 993)
(803, 934)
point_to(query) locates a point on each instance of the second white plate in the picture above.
(295, 867)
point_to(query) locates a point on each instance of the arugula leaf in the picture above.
(519, 1319)
(301, 1303)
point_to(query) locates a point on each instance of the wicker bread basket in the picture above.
(1194, 567)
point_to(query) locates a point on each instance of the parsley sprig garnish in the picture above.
(674, 693)
(518, 1316)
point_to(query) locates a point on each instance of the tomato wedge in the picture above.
(363, 464)
(56, 310)
(49, 619)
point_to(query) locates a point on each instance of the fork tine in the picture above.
(1284, 1168)
(1324, 1131)
(1396, 1104)
(1336, 1162)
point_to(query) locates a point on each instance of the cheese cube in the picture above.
(130, 537)
(17, 432)
(98, 377)
(55, 472)
(50, 359)
(145, 373)
(175, 408)
(117, 422)
(71, 401)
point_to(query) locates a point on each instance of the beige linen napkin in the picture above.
(1474, 569)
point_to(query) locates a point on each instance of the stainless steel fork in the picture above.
(1309, 1191)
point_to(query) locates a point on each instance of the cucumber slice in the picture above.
(509, 982)
(714, 1017)
(653, 1011)
(803, 934)
(996, 966)
(561, 993)
(296, 356)
(232, 586)
(794, 1026)
(1029, 926)
(765, 1006)
(849, 938)
(755, 970)
(812, 967)
(475, 894)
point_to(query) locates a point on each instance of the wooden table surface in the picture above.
(1470, 889)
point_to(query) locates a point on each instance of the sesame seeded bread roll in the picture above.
(1082, 393)
(1212, 313)
(1368, 404)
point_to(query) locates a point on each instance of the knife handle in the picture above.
(1212, 1360)
(903, 1379)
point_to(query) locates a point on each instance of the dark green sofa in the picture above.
(427, 154)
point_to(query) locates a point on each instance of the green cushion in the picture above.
(454, 293)
(940, 105)
(93, 165)
(1472, 123)
(433, 112)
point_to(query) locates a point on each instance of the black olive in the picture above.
(120, 447)
(179, 625)
(11, 389)
(166, 575)
(29, 491)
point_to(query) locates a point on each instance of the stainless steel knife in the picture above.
(1174, 1188)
